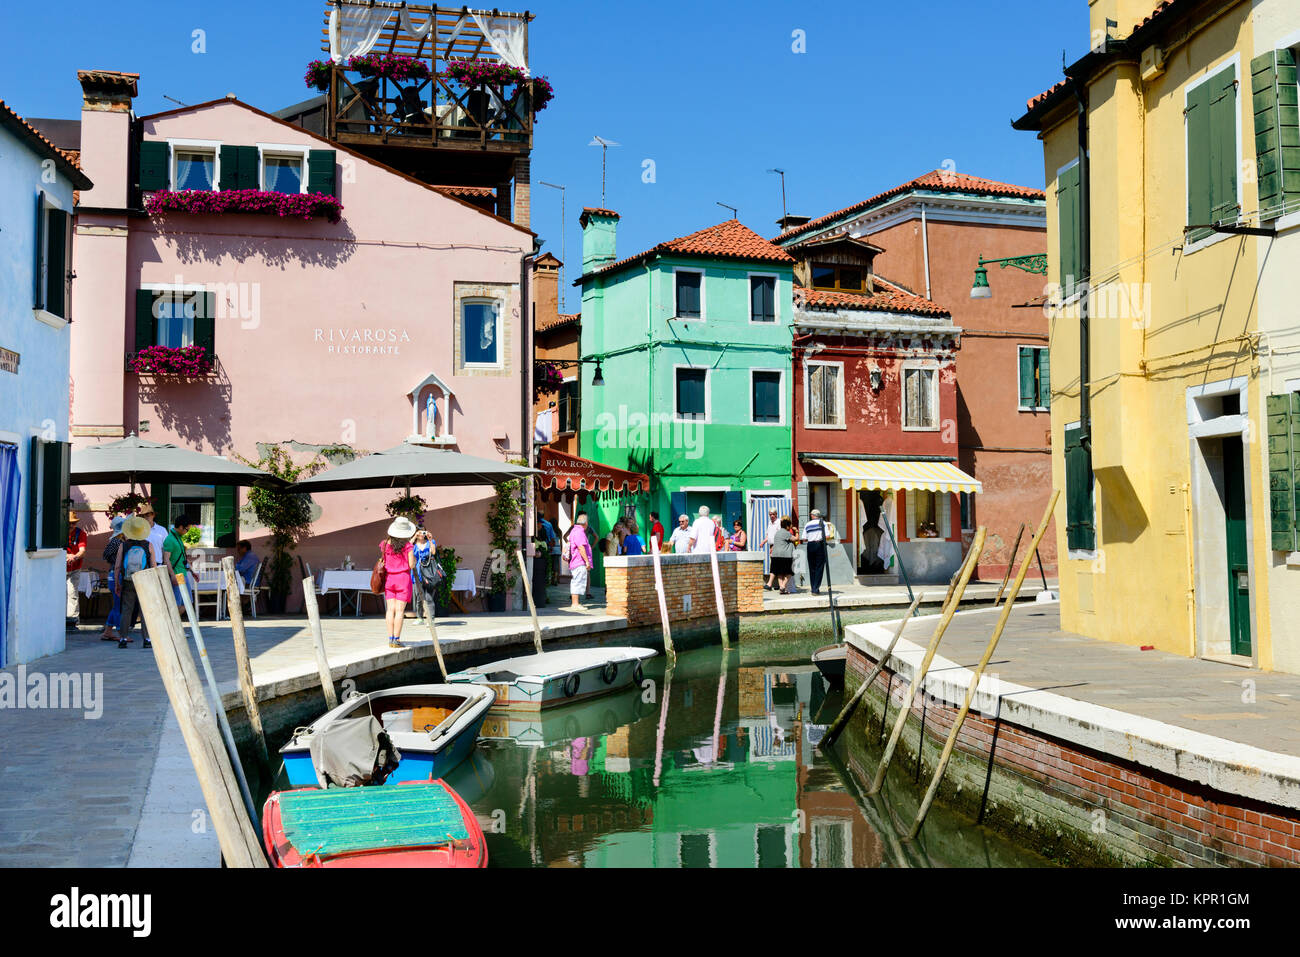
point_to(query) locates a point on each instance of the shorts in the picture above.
(782, 567)
(398, 588)
(578, 583)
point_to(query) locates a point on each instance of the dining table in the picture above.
(348, 584)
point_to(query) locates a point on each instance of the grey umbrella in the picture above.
(413, 466)
(134, 460)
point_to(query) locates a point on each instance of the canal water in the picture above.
(712, 764)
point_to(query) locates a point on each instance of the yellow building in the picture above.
(1172, 156)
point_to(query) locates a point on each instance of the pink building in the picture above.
(402, 321)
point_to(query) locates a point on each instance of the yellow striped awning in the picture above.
(891, 476)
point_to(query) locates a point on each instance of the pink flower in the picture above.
(306, 206)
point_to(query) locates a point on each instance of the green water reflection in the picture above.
(716, 767)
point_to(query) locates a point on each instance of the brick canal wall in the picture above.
(1069, 784)
(688, 586)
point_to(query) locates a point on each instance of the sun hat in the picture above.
(118, 522)
(136, 529)
(403, 528)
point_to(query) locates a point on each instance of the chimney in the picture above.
(106, 117)
(546, 291)
(790, 221)
(599, 238)
(1127, 14)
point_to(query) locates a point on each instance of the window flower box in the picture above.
(165, 362)
(474, 73)
(254, 201)
(390, 67)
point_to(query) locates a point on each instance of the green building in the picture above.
(694, 342)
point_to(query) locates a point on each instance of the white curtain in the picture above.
(506, 37)
(355, 30)
(414, 32)
(886, 552)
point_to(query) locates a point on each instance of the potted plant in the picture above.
(260, 202)
(128, 504)
(173, 362)
(409, 506)
(318, 74)
(548, 377)
(450, 562)
(504, 515)
(287, 514)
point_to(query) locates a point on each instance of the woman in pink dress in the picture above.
(398, 556)
(580, 560)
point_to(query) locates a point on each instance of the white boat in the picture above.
(557, 677)
(560, 725)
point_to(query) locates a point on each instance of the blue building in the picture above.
(37, 182)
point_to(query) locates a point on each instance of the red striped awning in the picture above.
(569, 473)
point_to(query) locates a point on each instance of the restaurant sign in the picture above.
(9, 361)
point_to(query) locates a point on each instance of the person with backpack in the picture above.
(133, 556)
(425, 548)
(110, 558)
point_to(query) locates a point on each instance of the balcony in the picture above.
(431, 100)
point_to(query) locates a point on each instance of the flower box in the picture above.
(390, 67)
(166, 362)
(473, 73)
(255, 201)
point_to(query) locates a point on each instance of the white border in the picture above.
(563, 383)
(464, 301)
(708, 395)
(780, 423)
(1021, 347)
(194, 146)
(703, 306)
(1233, 62)
(281, 150)
(776, 298)
(925, 365)
(807, 387)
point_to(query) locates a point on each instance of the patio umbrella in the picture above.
(413, 466)
(133, 461)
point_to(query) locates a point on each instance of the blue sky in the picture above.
(711, 92)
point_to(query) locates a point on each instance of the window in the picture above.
(1035, 379)
(828, 498)
(967, 500)
(1212, 152)
(690, 294)
(766, 404)
(1070, 227)
(825, 394)
(929, 514)
(692, 393)
(840, 278)
(1277, 131)
(481, 332)
(176, 318)
(52, 283)
(762, 299)
(48, 466)
(282, 173)
(175, 313)
(1284, 470)
(920, 399)
(1080, 528)
(568, 407)
(194, 168)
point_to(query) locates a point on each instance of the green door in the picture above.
(1234, 494)
(714, 500)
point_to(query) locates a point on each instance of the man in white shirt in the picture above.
(814, 533)
(702, 534)
(680, 541)
(774, 527)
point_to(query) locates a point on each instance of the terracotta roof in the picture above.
(887, 298)
(939, 180)
(729, 240)
(109, 79)
(558, 322)
(590, 211)
(25, 131)
(469, 192)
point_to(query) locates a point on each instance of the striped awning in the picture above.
(891, 476)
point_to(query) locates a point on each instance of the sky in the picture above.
(712, 94)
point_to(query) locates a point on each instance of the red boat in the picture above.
(420, 824)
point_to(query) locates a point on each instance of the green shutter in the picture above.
(1199, 183)
(1045, 378)
(160, 494)
(205, 322)
(1028, 397)
(40, 264)
(320, 171)
(54, 493)
(155, 166)
(1283, 451)
(1080, 529)
(240, 167)
(1224, 157)
(1277, 131)
(226, 531)
(34, 495)
(1068, 196)
(146, 320)
(56, 276)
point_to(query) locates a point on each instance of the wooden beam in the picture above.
(318, 640)
(243, 666)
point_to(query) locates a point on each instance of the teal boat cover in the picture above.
(349, 820)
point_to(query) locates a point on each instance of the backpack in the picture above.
(136, 559)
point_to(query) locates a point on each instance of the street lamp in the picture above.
(1035, 264)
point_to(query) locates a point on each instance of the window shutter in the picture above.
(1079, 530)
(56, 275)
(226, 521)
(1199, 179)
(240, 168)
(1283, 432)
(678, 500)
(1068, 197)
(146, 320)
(1027, 391)
(908, 501)
(1223, 147)
(34, 495)
(41, 263)
(320, 172)
(161, 496)
(945, 515)
(1045, 378)
(155, 166)
(1277, 131)
(804, 506)
(733, 508)
(54, 493)
(205, 322)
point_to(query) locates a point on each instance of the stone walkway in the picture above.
(863, 596)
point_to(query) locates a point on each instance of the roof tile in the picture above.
(887, 298)
(729, 240)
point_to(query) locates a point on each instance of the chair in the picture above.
(254, 589)
(485, 582)
(207, 582)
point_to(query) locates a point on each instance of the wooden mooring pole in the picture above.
(972, 559)
(1011, 564)
(236, 832)
(979, 671)
(243, 666)
(318, 639)
(837, 726)
(663, 602)
(528, 591)
(718, 600)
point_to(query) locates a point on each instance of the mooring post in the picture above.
(318, 639)
(837, 726)
(898, 557)
(663, 602)
(237, 833)
(977, 548)
(1010, 565)
(661, 733)
(528, 591)
(717, 597)
(246, 684)
(979, 671)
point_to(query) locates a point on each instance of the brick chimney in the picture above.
(546, 291)
(599, 238)
(106, 117)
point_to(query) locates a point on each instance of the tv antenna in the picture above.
(563, 224)
(784, 211)
(735, 213)
(604, 145)
(174, 100)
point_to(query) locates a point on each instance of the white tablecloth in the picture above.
(465, 582)
(86, 583)
(215, 582)
(344, 581)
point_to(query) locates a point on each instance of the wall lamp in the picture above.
(1036, 264)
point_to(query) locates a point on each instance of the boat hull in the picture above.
(550, 680)
(831, 661)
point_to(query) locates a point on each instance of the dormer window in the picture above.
(837, 278)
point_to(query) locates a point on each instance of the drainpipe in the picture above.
(925, 246)
(527, 318)
(1085, 267)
